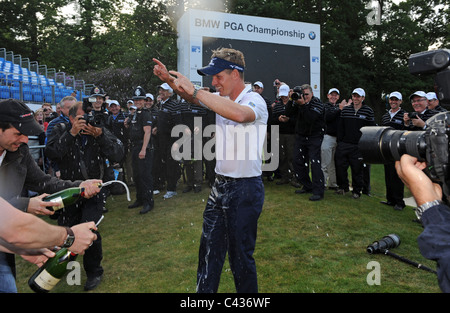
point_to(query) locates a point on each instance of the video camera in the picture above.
(386, 145)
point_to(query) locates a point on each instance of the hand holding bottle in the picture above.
(38, 206)
(83, 237)
(91, 187)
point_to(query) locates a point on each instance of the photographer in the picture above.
(416, 120)
(434, 243)
(80, 149)
(309, 131)
(287, 134)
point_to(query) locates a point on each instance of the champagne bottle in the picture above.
(66, 197)
(48, 275)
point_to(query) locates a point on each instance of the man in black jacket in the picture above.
(19, 171)
(309, 130)
(80, 150)
(394, 185)
(353, 117)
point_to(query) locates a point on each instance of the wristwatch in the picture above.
(196, 89)
(69, 239)
(426, 206)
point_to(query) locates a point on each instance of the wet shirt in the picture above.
(137, 122)
(239, 146)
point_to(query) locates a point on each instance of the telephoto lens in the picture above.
(388, 242)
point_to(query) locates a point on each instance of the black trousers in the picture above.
(142, 174)
(394, 185)
(348, 155)
(307, 152)
(170, 167)
(87, 210)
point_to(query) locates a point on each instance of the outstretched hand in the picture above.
(161, 71)
(179, 83)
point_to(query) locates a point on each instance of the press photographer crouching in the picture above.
(434, 243)
(422, 161)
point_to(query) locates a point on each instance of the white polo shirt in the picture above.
(239, 146)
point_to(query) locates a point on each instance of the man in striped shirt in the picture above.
(353, 117)
(394, 185)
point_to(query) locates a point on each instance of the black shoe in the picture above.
(356, 195)
(135, 205)
(398, 207)
(283, 181)
(92, 282)
(147, 208)
(387, 203)
(315, 198)
(187, 189)
(302, 191)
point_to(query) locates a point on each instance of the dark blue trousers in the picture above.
(230, 225)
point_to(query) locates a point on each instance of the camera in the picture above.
(434, 62)
(386, 145)
(388, 242)
(297, 93)
(413, 115)
(93, 119)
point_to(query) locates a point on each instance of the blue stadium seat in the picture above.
(37, 94)
(27, 93)
(47, 93)
(15, 92)
(4, 92)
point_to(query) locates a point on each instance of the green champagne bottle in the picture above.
(48, 275)
(66, 197)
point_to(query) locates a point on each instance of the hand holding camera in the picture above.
(412, 118)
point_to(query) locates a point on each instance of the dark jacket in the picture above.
(19, 171)
(310, 117)
(280, 109)
(332, 114)
(82, 157)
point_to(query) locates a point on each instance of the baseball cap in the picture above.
(217, 65)
(359, 91)
(166, 86)
(20, 116)
(334, 90)
(395, 94)
(259, 84)
(418, 93)
(149, 95)
(431, 96)
(113, 102)
(284, 90)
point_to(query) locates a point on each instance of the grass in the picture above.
(302, 246)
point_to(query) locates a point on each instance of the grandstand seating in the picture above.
(21, 83)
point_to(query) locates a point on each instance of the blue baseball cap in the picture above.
(217, 65)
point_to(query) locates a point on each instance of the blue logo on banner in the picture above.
(315, 59)
(312, 35)
(195, 49)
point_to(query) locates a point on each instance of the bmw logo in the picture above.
(312, 35)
